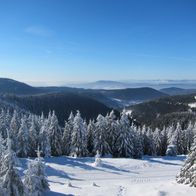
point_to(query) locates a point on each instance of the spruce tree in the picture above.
(35, 178)
(33, 137)
(55, 135)
(125, 142)
(44, 140)
(68, 129)
(90, 136)
(79, 137)
(187, 174)
(138, 146)
(23, 139)
(9, 178)
(100, 137)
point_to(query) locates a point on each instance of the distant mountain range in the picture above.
(90, 102)
(178, 91)
(165, 111)
(10, 86)
(156, 84)
(111, 98)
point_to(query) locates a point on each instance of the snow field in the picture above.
(151, 176)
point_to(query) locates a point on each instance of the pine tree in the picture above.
(164, 141)
(2, 124)
(9, 178)
(35, 178)
(178, 139)
(67, 134)
(44, 141)
(79, 137)
(100, 137)
(125, 142)
(23, 139)
(2, 146)
(158, 139)
(55, 135)
(112, 132)
(97, 162)
(14, 129)
(150, 145)
(189, 135)
(138, 146)
(33, 137)
(187, 174)
(90, 136)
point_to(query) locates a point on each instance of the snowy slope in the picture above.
(118, 177)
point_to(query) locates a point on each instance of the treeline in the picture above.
(165, 111)
(109, 135)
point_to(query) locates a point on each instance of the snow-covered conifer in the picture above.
(2, 146)
(79, 137)
(35, 181)
(90, 136)
(158, 139)
(33, 137)
(44, 140)
(55, 135)
(138, 145)
(113, 128)
(187, 174)
(125, 142)
(10, 180)
(23, 139)
(100, 137)
(67, 134)
(97, 162)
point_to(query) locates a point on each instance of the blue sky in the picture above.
(86, 40)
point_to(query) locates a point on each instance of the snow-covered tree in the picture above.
(100, 137)
(171, 150)
(2, 125)
(187, 174)
(97, 162)
(2, 146)
(112, 132)
(178, 139)
(164, 141)
(55, 135)
(189, 136)
(5, 119)
(138, 145)
(67, 134)
(44, 141)
(10, 180)
(158, 139)
(23, 139)
(90, 136)
(33, 137)
(149, 146)
(35, 181)
(79, 137)
(125, 142)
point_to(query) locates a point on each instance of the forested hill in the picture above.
(111, 98)
(9, 86)
(165, 111)
(62, 103)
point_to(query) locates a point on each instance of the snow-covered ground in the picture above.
(192, 105)
(152, 176)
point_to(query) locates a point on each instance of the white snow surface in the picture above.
(151, 176)
(192, 105)
(129, 112)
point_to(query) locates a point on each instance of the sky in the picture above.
(66, 41)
